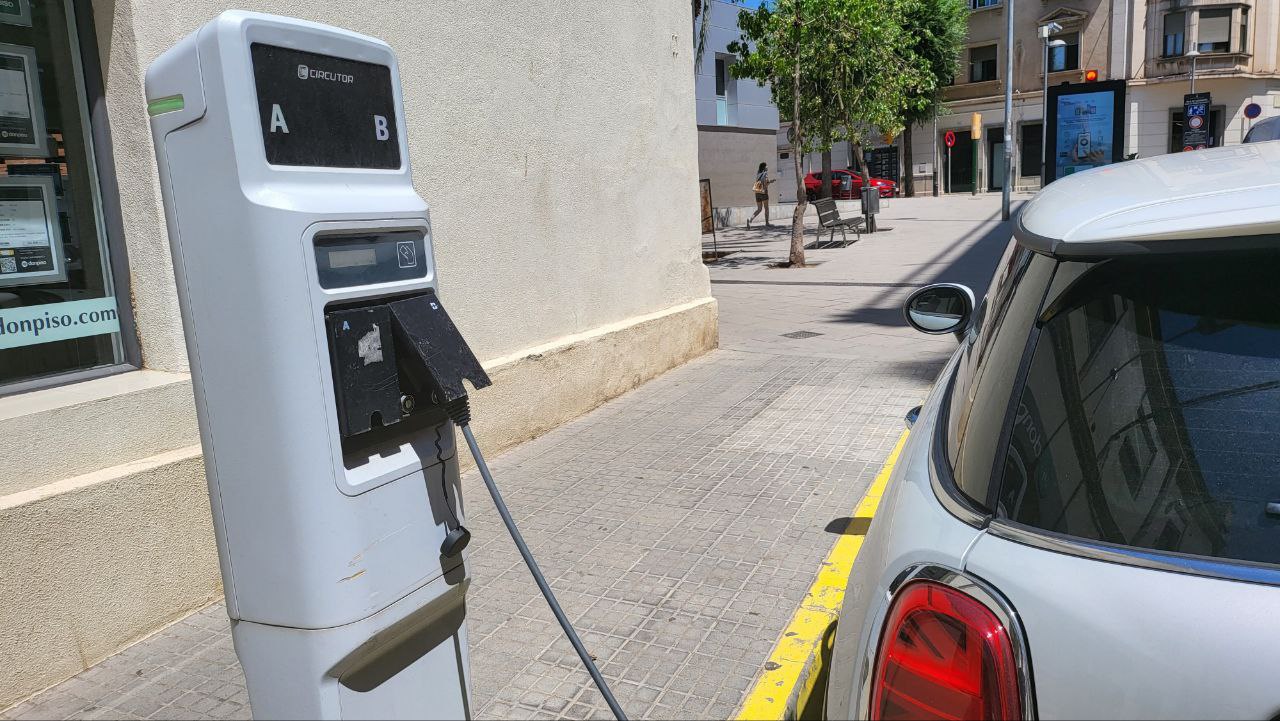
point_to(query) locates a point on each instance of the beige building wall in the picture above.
(729, 157)
(557, 147)
(1091, 19)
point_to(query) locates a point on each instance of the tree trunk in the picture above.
(796, 256)
(908, 173)
(826, 174)
(860, 159)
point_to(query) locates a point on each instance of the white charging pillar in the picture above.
(294, 223)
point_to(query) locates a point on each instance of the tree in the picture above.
(701, 18)
(775, 45)
(936, 30)
(881, 79)
(835, 69)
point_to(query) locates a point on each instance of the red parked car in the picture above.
(847, 185)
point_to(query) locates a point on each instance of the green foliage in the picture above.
(865, 65)
(702, 18)
(935, 31)
(858, 72)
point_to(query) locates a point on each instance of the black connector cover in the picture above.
(430, 344)
(366, 383)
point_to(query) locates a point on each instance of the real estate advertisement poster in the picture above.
(30, 236)
(15, 12)
(22, 130)
(1086, 127)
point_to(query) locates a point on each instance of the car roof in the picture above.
(1264, 130)
(1217, 199)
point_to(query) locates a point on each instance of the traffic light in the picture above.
(1091, 76)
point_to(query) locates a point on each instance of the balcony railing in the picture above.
(1206, 65)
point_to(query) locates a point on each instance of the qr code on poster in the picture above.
(8, 265)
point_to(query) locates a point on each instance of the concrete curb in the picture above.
(789, 688)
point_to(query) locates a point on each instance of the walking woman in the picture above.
(761, 189)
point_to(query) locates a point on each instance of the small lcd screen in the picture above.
(352, 258)
(347, 261)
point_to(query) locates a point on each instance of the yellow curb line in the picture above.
(778, 692)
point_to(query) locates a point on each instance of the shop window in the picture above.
(1066, 56)
(1215, 31)
(58, 304)
(982, 63)
(1031, 150)
(1216, 127)
(1175, 33)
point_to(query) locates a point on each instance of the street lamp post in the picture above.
(937, 169)
(1006, 186)
(1193, 55)
(1045, 31)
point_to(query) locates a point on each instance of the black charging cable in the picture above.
(460, 411)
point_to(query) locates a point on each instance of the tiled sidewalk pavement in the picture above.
(680, 525)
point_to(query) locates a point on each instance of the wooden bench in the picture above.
(829, 218)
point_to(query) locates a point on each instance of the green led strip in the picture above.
(165, 105)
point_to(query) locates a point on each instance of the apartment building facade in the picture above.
(737, 121)
(1150, 44)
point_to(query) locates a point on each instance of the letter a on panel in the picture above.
(277, 119)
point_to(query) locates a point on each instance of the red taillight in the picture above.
(944, 655)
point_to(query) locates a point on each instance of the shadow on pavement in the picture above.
(846, 526)
(874, 316)
(736, 261)
(974, 267)
(813, 705)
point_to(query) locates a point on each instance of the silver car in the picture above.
(1085, 519)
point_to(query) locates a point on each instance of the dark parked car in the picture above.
(1264, 130)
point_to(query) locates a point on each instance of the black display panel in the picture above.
(1086, 127)
(347, 261)
(322, 111)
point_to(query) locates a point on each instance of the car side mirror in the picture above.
(940, 308)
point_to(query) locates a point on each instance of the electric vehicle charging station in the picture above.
(328, 376)
(306, 281)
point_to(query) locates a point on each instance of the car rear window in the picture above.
(1150, 416)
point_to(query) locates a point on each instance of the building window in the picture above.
(1175, 32)
(1244, 30)
(725, 95)
(1216, 127)
(979, 4)
(982, 63)
(1030, 150)
(1215, 31)
(58, 307)
(1065, 57)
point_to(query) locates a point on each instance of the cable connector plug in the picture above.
(459, 410)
